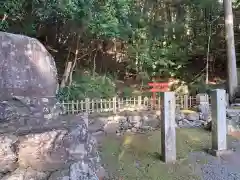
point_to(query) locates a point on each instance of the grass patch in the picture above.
(138, 156)
(235, 107)
(187, 111)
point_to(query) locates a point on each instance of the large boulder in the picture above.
(27, 68)
(37, 142)
(28, 80)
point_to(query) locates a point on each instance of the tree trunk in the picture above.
(208, 54)
(231, 56)
(94, 63)
(66, 74)
(180, 18)
(74, 62)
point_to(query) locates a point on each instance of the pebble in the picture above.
(215, 168)
(129, 130)
(118, 134)
(134, 130)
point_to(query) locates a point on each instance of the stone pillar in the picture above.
(227, 99)
(219, 122)
(202, 98)
(203, 107)
(168, 133)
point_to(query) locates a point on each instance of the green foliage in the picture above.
(127, 92)
(88, 87)
(109, 18)
(199, 87)
(3, 25)
(160, 37)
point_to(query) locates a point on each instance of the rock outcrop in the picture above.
(37, 142)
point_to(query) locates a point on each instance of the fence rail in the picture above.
(120, 104)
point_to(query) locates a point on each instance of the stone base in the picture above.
(218, 153)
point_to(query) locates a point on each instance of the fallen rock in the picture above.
(26, 174)
(134, 119)
(96, 126)
(116, 118)
(124, 125)
(128, 130)
(134, 130)
(192, 116)
(155, 123)
(179, 116)
(63, 174)
(8, 156)
(44, 151)
(111, 127)
(119, 134)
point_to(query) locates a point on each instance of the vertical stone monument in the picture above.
(219, 123)
(203, 107)
(168, 132)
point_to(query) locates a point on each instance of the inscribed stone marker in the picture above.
(219, 122)
(168, 132)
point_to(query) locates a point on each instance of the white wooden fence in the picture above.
(119, 104)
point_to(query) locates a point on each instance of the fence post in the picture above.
(119, 104)
(114, 104)
(77, 106)
(93, 104)
(139, 101)
(168, 132)
(64, 107)
(159, 102)
(219, 123)
(73, 107)
(181, 101)
(185, 101)
(87, 104)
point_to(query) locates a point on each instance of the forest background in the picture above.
(116, 47)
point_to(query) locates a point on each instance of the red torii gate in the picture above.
(158, 87)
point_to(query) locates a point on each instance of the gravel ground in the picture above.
(211, 168)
